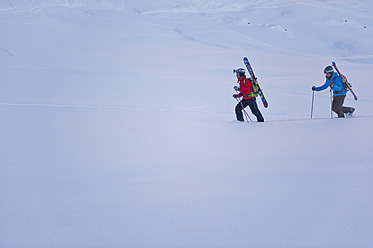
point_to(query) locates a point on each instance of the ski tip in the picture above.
(244, 58)
(333, 63)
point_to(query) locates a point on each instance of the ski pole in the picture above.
(246, 114)
(331, 104)
(313, 97)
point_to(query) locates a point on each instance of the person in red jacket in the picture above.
(249, 96)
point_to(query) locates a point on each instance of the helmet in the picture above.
(240, 71)
(328, 69)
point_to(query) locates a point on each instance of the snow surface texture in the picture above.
(117, 125)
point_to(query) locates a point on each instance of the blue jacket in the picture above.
(339, 89)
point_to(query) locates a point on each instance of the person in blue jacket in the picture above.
(334, 81)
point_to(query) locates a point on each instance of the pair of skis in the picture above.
(344, 80)
(252, 75)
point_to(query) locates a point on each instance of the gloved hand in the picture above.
(235, 95)
(236, 88)
(313, 88)
(331, 85)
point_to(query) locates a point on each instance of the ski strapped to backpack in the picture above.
(344, 80)
(256, 84)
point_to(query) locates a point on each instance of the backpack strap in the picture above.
(333, 79)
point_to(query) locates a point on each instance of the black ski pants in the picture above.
(253, 106)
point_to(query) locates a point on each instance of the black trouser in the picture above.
(338, 107)
(253, 106)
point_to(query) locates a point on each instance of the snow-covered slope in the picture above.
(117, 124)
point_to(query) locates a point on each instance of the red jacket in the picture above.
(245, 88)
